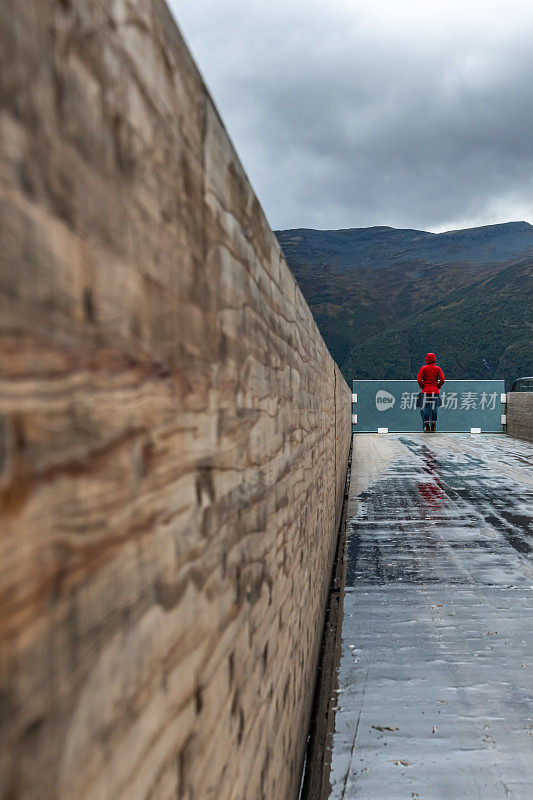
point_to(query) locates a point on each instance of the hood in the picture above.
(430, 358)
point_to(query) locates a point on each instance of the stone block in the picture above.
(520, 415)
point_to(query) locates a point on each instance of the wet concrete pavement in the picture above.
(436, 674)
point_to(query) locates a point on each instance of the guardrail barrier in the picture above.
(384, 406)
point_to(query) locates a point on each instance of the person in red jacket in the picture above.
(430, 379)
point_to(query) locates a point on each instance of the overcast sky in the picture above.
(348, 113)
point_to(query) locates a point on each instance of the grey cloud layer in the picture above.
(397, 112)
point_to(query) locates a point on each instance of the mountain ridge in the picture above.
(379, 246)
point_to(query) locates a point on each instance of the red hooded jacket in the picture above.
(430, 378)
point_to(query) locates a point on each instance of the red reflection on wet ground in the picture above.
(432, 493)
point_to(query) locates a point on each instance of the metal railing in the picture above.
(523, 385)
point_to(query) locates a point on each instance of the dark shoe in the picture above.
(426, 427)
(433, 427)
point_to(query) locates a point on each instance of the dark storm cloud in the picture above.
(415, 113)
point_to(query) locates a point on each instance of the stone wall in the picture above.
(520, 415)
(173, 431)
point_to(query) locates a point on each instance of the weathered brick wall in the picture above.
(343, 436)
(173, 431)
(520, 415)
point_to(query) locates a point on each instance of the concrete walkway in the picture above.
(436, 674)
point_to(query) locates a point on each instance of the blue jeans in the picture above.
(429, 408)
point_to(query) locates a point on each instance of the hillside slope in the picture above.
(482, 331)
(363, 283)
